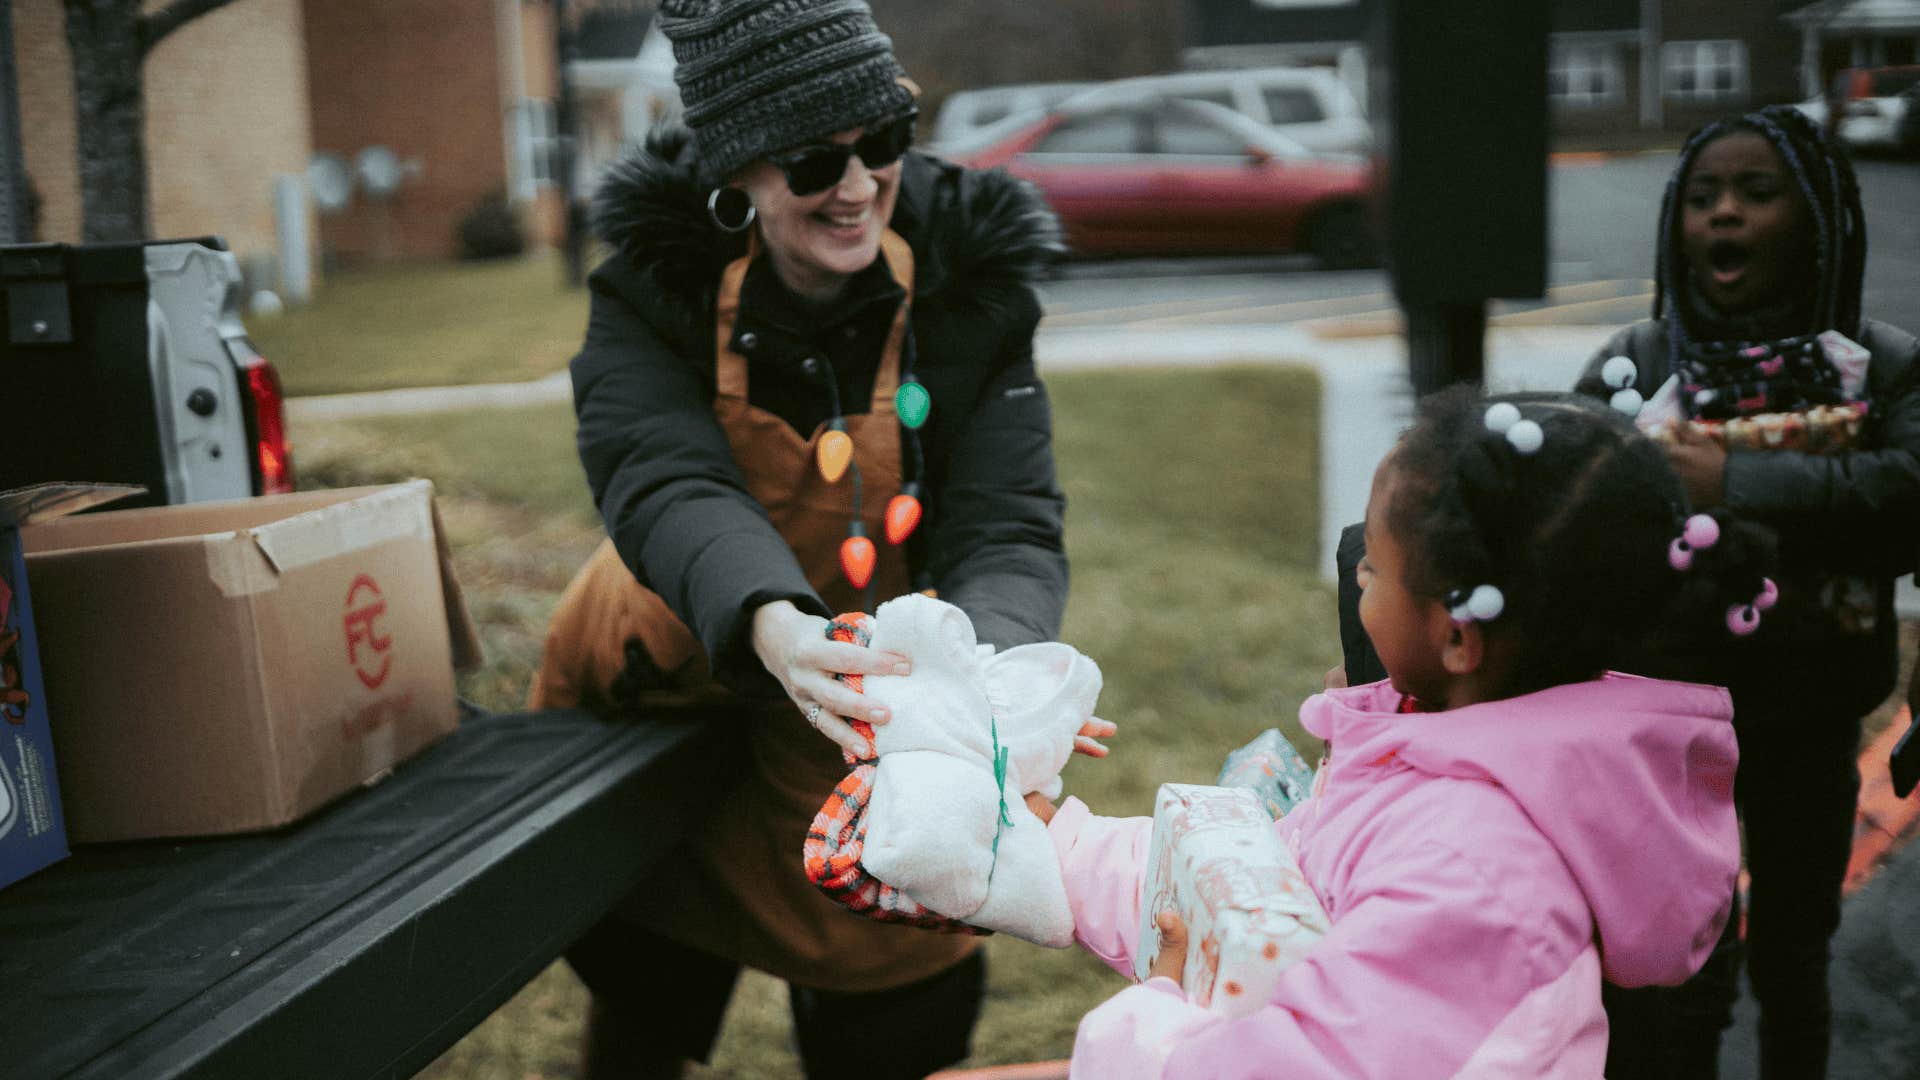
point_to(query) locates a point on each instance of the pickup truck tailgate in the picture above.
(365, 940)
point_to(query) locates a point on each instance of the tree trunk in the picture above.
(104, 36)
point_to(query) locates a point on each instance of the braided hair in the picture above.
(1574, 535)
(1824, 176)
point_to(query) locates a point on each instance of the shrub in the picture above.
(492, 229)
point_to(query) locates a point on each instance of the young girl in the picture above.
(1503, 821)
(1762, 245)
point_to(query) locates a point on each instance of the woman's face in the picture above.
(1744, 225)
(818, 241)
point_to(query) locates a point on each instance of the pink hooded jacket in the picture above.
(1482, 868)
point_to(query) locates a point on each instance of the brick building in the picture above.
(1613, 65)
(226, 100)
(1668, 64)
(460, 90)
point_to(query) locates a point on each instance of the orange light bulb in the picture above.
(903, 515)
(857, 557)
(834, 454)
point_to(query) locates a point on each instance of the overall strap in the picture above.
(730, 368)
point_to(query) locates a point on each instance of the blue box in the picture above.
(33, 832)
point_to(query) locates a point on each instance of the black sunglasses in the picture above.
(811, 170)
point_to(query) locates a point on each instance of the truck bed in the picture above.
(363, 941)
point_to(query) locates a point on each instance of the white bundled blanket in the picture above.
(972, 732)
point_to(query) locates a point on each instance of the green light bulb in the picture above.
(913, 403)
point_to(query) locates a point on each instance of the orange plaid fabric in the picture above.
(834, 842)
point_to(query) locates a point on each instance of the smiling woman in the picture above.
(807, 386)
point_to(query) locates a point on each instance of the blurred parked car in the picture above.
(965, 113)
(1312, 106)
(1874, 107)
(1177, 176)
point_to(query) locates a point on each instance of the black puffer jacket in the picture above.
(660, 468)
(1856, 512)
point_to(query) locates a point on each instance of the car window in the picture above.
(1097, 133)
(1889, 83)
(1177, 131)
(1292, 105)
(1222, 97)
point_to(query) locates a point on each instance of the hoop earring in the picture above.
(743, 220)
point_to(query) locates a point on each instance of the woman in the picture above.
(788, 279)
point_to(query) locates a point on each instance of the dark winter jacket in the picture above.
(660, 467)
(1856, 512)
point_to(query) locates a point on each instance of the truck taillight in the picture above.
(267, 429)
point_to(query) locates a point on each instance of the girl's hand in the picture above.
(1701, 464)
(1041, 806)
(1172, 960)
(1093, 729)
(794, 647)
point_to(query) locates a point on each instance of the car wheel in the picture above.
(1343, 238)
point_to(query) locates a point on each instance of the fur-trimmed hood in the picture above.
(972, 233)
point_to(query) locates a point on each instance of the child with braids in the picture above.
(1503, 820)
(1757, 327)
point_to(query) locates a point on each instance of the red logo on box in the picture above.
(364, 605)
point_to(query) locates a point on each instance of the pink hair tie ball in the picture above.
(1744, 619)
(1699, 533)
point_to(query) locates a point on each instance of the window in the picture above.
(1704, 71)
(534, 143)
(1585, 75)
(1099, 133)
(1177, 132)
(1292, 105)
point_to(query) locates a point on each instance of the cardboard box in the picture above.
(227, 667)
(32, 828)
(1215, 859)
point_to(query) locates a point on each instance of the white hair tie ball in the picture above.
(1619, 372)
(1627, 400)
(1486, 603)
(1501, 416)
(1526, 437)
(1483, 604)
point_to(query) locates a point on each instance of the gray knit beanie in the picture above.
(760, 76)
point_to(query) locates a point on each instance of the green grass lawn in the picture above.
(442, 324)
(1192, 525)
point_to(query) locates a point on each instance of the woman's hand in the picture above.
(1701, 464)
(1041, 806)
(1172, 958)
(794, 647)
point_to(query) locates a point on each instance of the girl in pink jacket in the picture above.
(1504, 821)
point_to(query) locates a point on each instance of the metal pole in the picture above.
(1652, 105)
(1446, 344)
(573, 238)
(13, 175)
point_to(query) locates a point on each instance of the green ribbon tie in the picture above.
(1000, 783)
